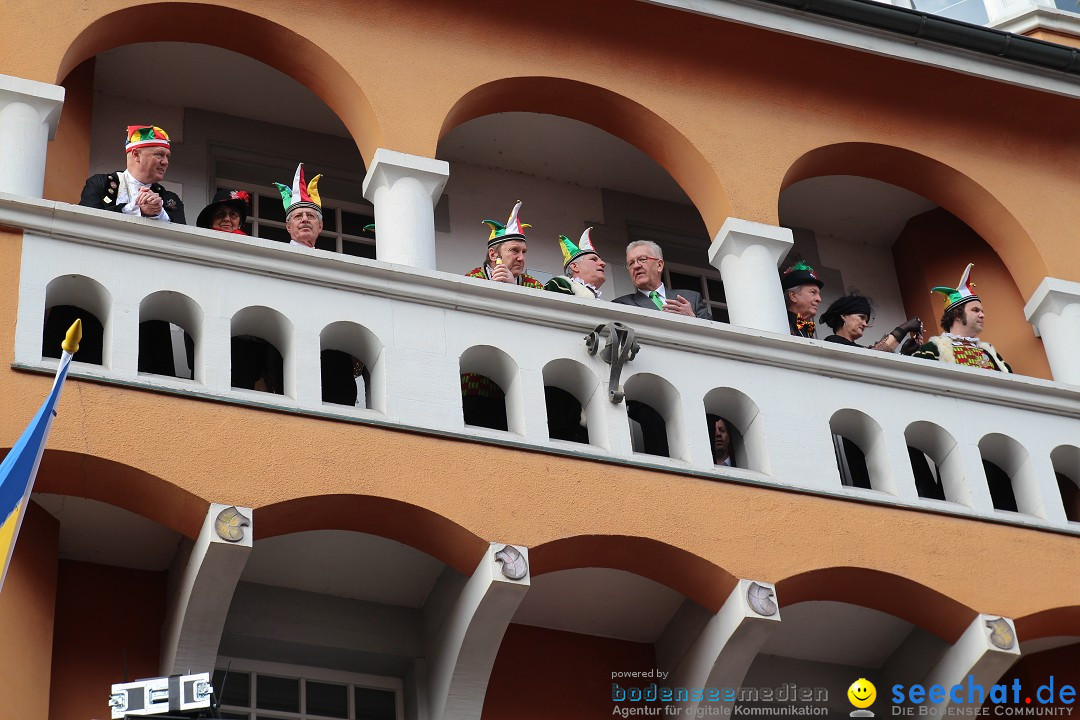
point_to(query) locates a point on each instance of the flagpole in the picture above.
(19, 468)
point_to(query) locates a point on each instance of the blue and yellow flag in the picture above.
(20, 467)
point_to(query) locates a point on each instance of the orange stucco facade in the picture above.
(737, 115)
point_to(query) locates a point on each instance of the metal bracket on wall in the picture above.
(621, 348)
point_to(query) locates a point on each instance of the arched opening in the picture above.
(936, 463)
(860, 451)
(1009, 475)
(72, 297)
(284, 111)
(574, 410)
(652, 407)
(1066, 461)
(261, 351)
(349, 356)
(525, 138)
(490, 396)
(169, 322)
(889, 223)
(744, 427)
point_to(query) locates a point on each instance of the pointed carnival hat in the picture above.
(140, 136)
(800, 274)
(301, 194)
(571, 252)
(512, 230)
(962, 293)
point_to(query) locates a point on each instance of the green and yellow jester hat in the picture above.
(300, 195)
(962, 293)
(512, 230)
(571, 252)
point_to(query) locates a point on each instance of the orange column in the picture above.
(27, 606)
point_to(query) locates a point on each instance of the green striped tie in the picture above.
(657, 300)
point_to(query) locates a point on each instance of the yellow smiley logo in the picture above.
(862, 693)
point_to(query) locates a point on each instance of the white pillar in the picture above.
(1054, 311)
(404, 189)
(29, 114)
(201, 590)
(462, 655)
(722, 653)
(748, 255)
(985, 651)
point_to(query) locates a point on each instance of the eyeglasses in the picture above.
(639, 261)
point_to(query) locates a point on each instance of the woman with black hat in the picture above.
(227, 212)
(850, 315)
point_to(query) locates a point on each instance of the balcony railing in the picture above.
(417, 332)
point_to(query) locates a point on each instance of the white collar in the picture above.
(579, 281)
(659, 289)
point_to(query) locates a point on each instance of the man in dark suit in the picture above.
(645, 262)
(138, 190)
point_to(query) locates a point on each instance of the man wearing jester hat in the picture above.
(583, 267)
(505, 259)
(137, 190)
(802, 294)
(303, 209)
(963, 322)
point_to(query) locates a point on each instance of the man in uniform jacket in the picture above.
(583, 267)
(645, 262)
(137, 190)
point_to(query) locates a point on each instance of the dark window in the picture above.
(565, 419)
(483, 402)
(326, 699)
(277, 693)
(340, 371)
(927, 478)
(648, 430)
(1001, 490)
(57, 321)
(374, 704)
(233, 688)
(159, 344)
(851, 462)
(257, 365)
(1070, 497)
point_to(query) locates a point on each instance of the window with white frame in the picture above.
(250, 690)
(343, 222)
(706, 282)
(686, 264)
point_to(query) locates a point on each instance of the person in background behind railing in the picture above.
(303, 209)
(583, 267)
(227, 212)
(802, 293)
(645, 263)
(850, 316)
(963, 322)
(137, 190)
(720, 432)
(505, 258)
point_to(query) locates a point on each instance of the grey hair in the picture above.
(653, 248)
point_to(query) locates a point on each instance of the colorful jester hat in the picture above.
(962, 293)
(301, 195)
(571, 252)
(512, 230)
(140, 136)
(800, 274)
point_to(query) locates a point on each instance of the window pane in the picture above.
(719, 314)
(271, 208)
(326, 243)
(374, 704)
(233, 716)
(234, 690)
(682, 281)
(716, 290)
(359, 249)
(329, 219)
(274, 233)
(327, 700)
(274, 693)
(353, 223)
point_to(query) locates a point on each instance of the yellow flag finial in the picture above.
(74, 335)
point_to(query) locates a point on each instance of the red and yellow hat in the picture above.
(140, 136)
